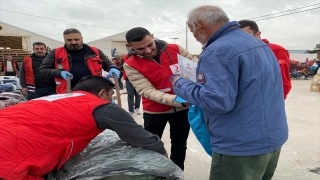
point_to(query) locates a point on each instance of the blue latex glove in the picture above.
(115, 71)
(64, 75)
(180, 100)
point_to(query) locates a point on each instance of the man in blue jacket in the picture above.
(239, 89)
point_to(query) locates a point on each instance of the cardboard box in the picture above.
(315, 87)
(316, 79)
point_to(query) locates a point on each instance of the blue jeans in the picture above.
(41, 91)
(134, 98)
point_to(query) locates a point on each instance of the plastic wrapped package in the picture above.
(9, 87)
(11, 79)
(7, 101)
(107, 157)
(6, 81)
(16, 95)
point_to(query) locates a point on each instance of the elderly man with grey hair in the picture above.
(239, 89)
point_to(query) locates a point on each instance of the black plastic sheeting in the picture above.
(107, 156)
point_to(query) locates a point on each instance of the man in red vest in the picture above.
(75, 59)
(33, 84)
(9, 67)
(39, 136)
(148, 69)
(281, 53)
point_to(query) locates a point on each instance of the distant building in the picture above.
(315, 50)
(21, 39)
(108, 44)
(115, 42)
(18, 42)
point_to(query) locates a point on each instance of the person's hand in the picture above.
(115, 97)
(24, 91)
(1, 73)
(184, 76)
(64, 75)
(176, 77)
(115, 71)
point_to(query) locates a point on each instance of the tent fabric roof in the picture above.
(29, 32)
(115, 37)
(13, 42)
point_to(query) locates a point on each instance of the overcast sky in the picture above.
(164, 18)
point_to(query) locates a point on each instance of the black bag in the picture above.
(108, 156)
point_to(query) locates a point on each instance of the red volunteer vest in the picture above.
(61, 62)
(14, 65)
(45, 133)
(29, 76)
(284, 63)
(157, 74)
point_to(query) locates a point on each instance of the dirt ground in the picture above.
(300, 154)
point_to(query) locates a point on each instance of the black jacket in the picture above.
(47, 67)
(111, 116)
(40, 81)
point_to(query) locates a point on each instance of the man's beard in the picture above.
(202, 39)
(75, 47)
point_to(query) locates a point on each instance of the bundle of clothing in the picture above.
(9, 87)
(10, 98)
(107, 157)
(9, 83)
